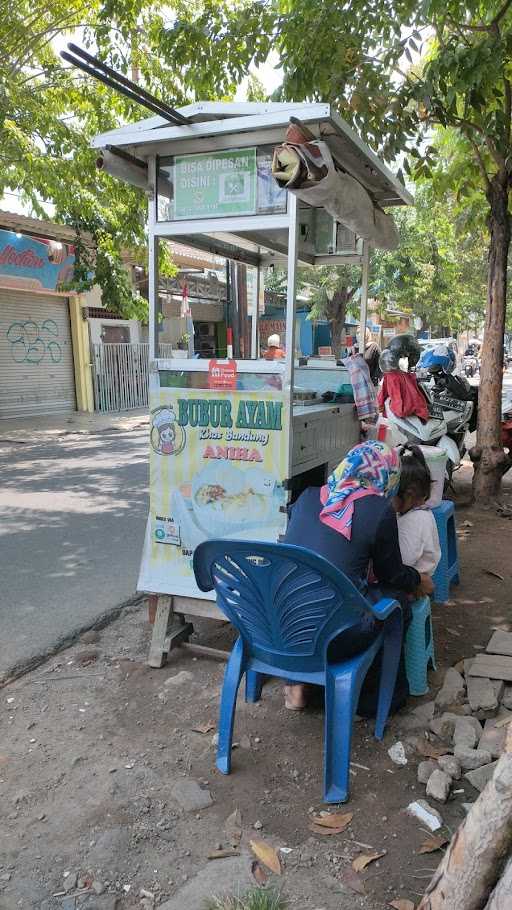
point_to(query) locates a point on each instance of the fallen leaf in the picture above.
(267, 855)
(223, 854)
(204, 728)
(433, 844)
(333, 820)
(350, 878)
(233, 828)
(429, 751)
(318, 829)
(494, 574)
(364, 860)
(402, 904)
(258, 873)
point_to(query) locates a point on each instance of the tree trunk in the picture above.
(336, 314)
(474, 860)
(488, 456)
(501, 897)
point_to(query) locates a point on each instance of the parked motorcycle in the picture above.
(451, 402)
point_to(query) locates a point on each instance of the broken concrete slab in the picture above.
(418, 719)
(190, 796)
(470, 759)
(438, 786)
(426, 769)
(224, 876)
(450, 764)
(482, 694)
(444, 726)
(493, 737)
(500, 643)
(480, 777)
(492, 666)
(464, 735)
(453, 690)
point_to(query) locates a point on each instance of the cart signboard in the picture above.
(219, 460)
(215, 184)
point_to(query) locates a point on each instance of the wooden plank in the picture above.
(195, 606)
(492, 666)
(157, 650)
(500, 643)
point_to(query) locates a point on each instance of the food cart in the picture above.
(232, 439)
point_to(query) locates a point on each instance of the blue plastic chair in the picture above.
(447, 571)
(288, 604)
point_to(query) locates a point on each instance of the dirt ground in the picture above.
(96, 748)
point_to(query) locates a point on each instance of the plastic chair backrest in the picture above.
(286, 601)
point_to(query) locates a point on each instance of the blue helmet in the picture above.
(436, 359)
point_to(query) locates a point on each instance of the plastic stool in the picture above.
(447, 572)
(419, 647)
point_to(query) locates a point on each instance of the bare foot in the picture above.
(295, 697)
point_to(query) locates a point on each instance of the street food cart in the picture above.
(233, 438)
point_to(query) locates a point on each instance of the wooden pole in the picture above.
(473, 862)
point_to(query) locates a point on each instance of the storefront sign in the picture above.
(34, 264)
(215, 184)
(218, 464)
(222, 374)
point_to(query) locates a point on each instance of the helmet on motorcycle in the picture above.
(405, 346)
(436, 359)
(388, 361)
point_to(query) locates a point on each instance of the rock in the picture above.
(425, 770)
(419, 718)
(480, 777)
(493, 738)
(258, 826)
(430, 817)
(450, 765)
(483, 695)
(179, 679)
(438, 786)
(189, 795)
(506, 698)
(444, 726)
(468, 663)
(90, 637)
(397, 754)
(465, 735)
(472, 758)
(453, 690)
(98, 887)
(70, 880)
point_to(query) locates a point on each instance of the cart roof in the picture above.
(258, 123)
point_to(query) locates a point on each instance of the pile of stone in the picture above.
(469, 718)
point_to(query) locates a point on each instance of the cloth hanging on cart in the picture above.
(363, 387)
(405, 397)
(308, 170)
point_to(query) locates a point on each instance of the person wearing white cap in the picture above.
(274, 350)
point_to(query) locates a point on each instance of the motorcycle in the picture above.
(470, 365)
(452, 406)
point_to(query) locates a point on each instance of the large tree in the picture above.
(396, 69)
(49, 112)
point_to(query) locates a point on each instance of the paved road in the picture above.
(73, 507)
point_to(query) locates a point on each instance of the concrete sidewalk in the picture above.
(73, 507)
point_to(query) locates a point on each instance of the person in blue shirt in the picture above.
(351, 522)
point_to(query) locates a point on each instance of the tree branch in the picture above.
(480, 162)
(502, 12)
